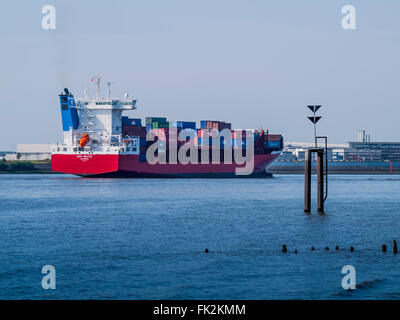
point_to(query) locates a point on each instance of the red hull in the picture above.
(129, 165)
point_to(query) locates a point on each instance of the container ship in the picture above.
(100, 141)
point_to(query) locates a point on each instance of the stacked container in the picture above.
(134, 131)
(150, 120)
(212, 124)
(183, 125)
(159, 125)
(126, 121)
(274, 141)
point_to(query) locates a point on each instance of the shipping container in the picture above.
(207, 124)
(126, 121)
(203, 132)
(143, 149)
(143, 141)
(211, 124)
(274, 137)
(150, 120)
(224, 125)
(273, 144)
(183, 125)
(163, 133)
(142, 157)
(158, 125)
(134, 131)
(203, 124)
(186, 125)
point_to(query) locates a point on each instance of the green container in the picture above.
(159, 125)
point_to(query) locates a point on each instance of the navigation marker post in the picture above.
(322, 171)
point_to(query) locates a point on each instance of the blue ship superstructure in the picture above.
(69, 114)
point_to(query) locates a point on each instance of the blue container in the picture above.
(203, 124)
(148, 127)
(142, 157)
(126, 121)
(186, 125)
(143, 141)
(273, 144)
(238, 142)
(223, 142)
(136, 122)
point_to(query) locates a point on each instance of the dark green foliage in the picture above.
(16, 166)
(3, 166)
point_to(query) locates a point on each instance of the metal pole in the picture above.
(315, 133)
(307, 182)
(320, 181)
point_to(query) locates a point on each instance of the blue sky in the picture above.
(248, 62)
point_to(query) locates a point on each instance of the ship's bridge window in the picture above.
(64, 149)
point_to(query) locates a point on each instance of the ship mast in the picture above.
(97, 83)
(109, 90)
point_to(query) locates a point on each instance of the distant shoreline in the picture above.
(44, 167)
(338, 167)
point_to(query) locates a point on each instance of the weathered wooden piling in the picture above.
(206, 250)
(394, 246)
(320, 181)
(337, 247)
(384, 248)
(284, 248)
(351, 249)
(312, 249)
(307, 182)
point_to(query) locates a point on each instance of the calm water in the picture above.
(145, 239)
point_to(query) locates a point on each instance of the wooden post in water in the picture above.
(320, 181)
(307, 182)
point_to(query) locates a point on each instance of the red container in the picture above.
(274, 137)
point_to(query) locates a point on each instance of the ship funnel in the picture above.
(69, 114)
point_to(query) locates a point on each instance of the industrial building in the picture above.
(33, 152)
(362, 150)
(387, 150)
(8, 155)
(296, 151)
(351, 154)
